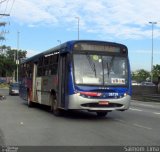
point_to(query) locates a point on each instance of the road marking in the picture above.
(120, 120)
(21, 123)
(157, 113)
(140, 126)
(135, 109)
(146, 105)
(137, 125)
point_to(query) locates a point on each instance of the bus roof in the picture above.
(66, 47)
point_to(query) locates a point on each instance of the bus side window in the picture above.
(54, 64)
(29, 70)
(47, 65)
(39, 73)
(40, 67)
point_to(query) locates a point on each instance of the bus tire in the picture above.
(29, 102)
(55, 109)
(101, 113)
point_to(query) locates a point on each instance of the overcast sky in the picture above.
(42, 22)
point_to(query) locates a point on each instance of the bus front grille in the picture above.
(97, 105)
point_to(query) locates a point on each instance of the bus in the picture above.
(78, 75)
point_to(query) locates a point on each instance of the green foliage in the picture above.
(4, 85)
(156, 72)
(12, 54)
(7, 60)
(7, 66)
(143, 75)
(140, 75)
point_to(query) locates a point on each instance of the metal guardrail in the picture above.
(151, 97)
(145, 93)
(147, 97)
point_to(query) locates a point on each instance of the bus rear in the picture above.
(100, 77)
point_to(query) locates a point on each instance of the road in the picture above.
(20, 125)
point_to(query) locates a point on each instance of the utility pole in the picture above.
(152, 23)
(78, 26)
(59, 41)
(2, 38)
(17, 61)
(3, 24)
(5, 14)
(14, 72)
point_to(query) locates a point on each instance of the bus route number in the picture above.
(113, 94)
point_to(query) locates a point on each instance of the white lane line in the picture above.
(144, 127)
(120, 120)
(147, 105)
(135, 124)
(134, 109)
(157, 113)
(154, 104)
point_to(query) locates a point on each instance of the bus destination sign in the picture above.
(93, 47)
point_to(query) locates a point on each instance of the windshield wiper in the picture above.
(92, 64)
(109, 65)
(108, 69)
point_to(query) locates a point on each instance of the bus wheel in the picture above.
(102, 113)
(30, 104)
(56, 110)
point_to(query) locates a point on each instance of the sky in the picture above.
(43, 24)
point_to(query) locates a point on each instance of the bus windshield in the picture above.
(104, 70)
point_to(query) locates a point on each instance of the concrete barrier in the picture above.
(145, 93)
(159, 84)
(139, 90)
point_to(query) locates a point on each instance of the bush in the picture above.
(4, 85)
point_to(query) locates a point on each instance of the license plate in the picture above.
(103, 103)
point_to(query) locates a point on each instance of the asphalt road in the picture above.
(20, 125)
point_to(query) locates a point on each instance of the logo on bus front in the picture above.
(113, 94)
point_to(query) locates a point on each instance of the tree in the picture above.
(2, 60)
(140, 75)
(156, 72)
(12, 54)
(7, 60)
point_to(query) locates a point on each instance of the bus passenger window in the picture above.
(49, 72)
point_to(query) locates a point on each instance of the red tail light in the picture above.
(92, 94)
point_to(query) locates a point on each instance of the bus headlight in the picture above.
(89, 94)
(125, 94)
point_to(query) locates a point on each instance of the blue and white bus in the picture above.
(79, 75)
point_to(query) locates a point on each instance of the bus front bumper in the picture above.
(79, 102)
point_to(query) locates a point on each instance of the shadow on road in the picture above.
(2, 142)
(72, 114)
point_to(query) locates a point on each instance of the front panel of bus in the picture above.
(101, 77)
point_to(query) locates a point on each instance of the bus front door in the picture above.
(63, 81)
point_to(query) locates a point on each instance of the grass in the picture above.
(4, 85)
